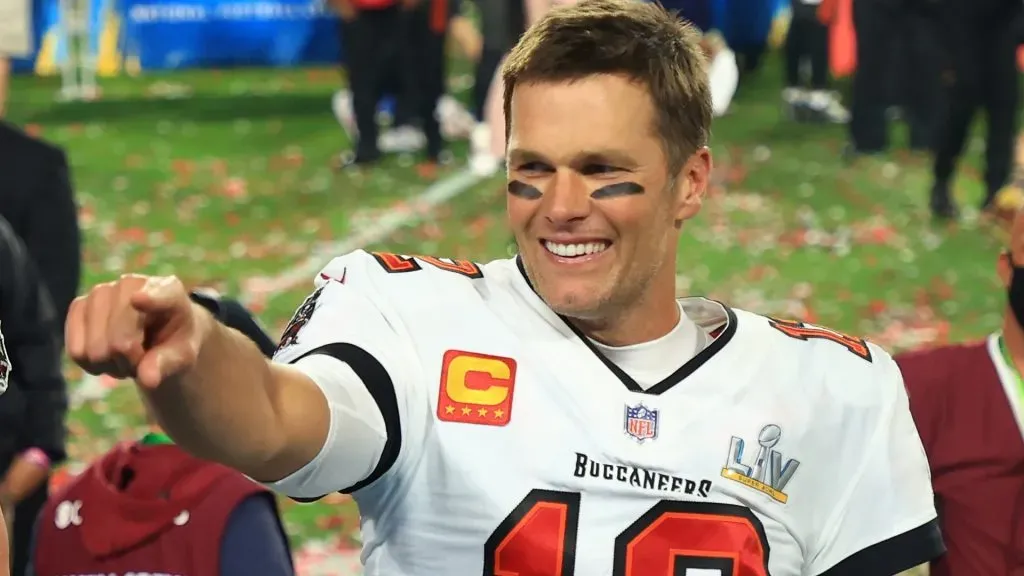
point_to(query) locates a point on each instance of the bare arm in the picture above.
(235, 407)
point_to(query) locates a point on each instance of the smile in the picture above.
(577, 249)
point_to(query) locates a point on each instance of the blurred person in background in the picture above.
(502, 22)
(806, 48)
(723, 72)
(148, 507)
(15, 40)
(968, 404)
(33, 408)
(424, 51)
(403, 134)
(371, 33)
(39, 203)
(980, 40)
(896, 67)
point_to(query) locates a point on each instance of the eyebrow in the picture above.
(583, 158)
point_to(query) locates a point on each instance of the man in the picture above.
(896, 66)
(968, 403)
(424, 39)
(148, 507)
(39, 203)
(559, 412)
(371, 36)
(33, 408)
(980, 48)
(807, 44)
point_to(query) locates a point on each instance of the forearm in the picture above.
(222, 409)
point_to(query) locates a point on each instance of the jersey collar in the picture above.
(686, 369)
(1009, 377)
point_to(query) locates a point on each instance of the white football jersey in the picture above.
(515, 448)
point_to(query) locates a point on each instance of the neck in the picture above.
(648, 319)
(1013, 339)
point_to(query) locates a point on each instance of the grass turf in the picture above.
(224, 176)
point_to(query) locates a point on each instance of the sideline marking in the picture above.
(391, 220)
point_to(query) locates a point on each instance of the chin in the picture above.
(575, 302)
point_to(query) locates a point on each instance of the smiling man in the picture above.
(560, 412)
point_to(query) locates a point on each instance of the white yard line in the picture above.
(390, 221)
(413, 210)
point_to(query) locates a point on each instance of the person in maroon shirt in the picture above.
(968, 403)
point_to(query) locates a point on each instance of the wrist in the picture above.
(206, 322)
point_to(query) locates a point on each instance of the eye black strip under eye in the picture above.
(523, 190)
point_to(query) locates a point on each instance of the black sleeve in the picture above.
(51, 232)
(253, 541)
(232, 314)
(32, 333)
(895, 555)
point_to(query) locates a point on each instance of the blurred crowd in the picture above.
(929, 64)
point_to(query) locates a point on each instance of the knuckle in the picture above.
(97, 352)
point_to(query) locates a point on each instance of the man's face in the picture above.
(591, 202)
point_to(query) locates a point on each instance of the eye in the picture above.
(600, 170)
(534, 168)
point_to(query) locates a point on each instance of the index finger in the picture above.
(126, 325)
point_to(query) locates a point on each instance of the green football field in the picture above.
(225, 178)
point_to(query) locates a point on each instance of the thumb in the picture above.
(158, 295)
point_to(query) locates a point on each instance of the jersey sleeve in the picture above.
(882, 519)
(343, 341)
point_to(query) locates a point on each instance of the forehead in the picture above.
(604, 111)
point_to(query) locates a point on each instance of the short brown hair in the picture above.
(642, 41)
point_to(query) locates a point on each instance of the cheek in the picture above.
(643, 222)
(520, 211)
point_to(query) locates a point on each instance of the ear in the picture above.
(1004, 268)
(691, 184)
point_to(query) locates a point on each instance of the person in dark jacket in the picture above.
(149, 507)
(33, 408)
(39, 203)
(980, 40)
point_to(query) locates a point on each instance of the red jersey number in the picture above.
(538, 538)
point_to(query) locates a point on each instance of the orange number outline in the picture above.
(396, 264)
(800, 331)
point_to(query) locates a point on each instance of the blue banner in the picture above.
(134, 35)
(172, 34)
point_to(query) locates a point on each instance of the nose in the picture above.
(567, 199)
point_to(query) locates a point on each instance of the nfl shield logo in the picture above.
(641, 423)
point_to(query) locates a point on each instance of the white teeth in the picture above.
(573, 250)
